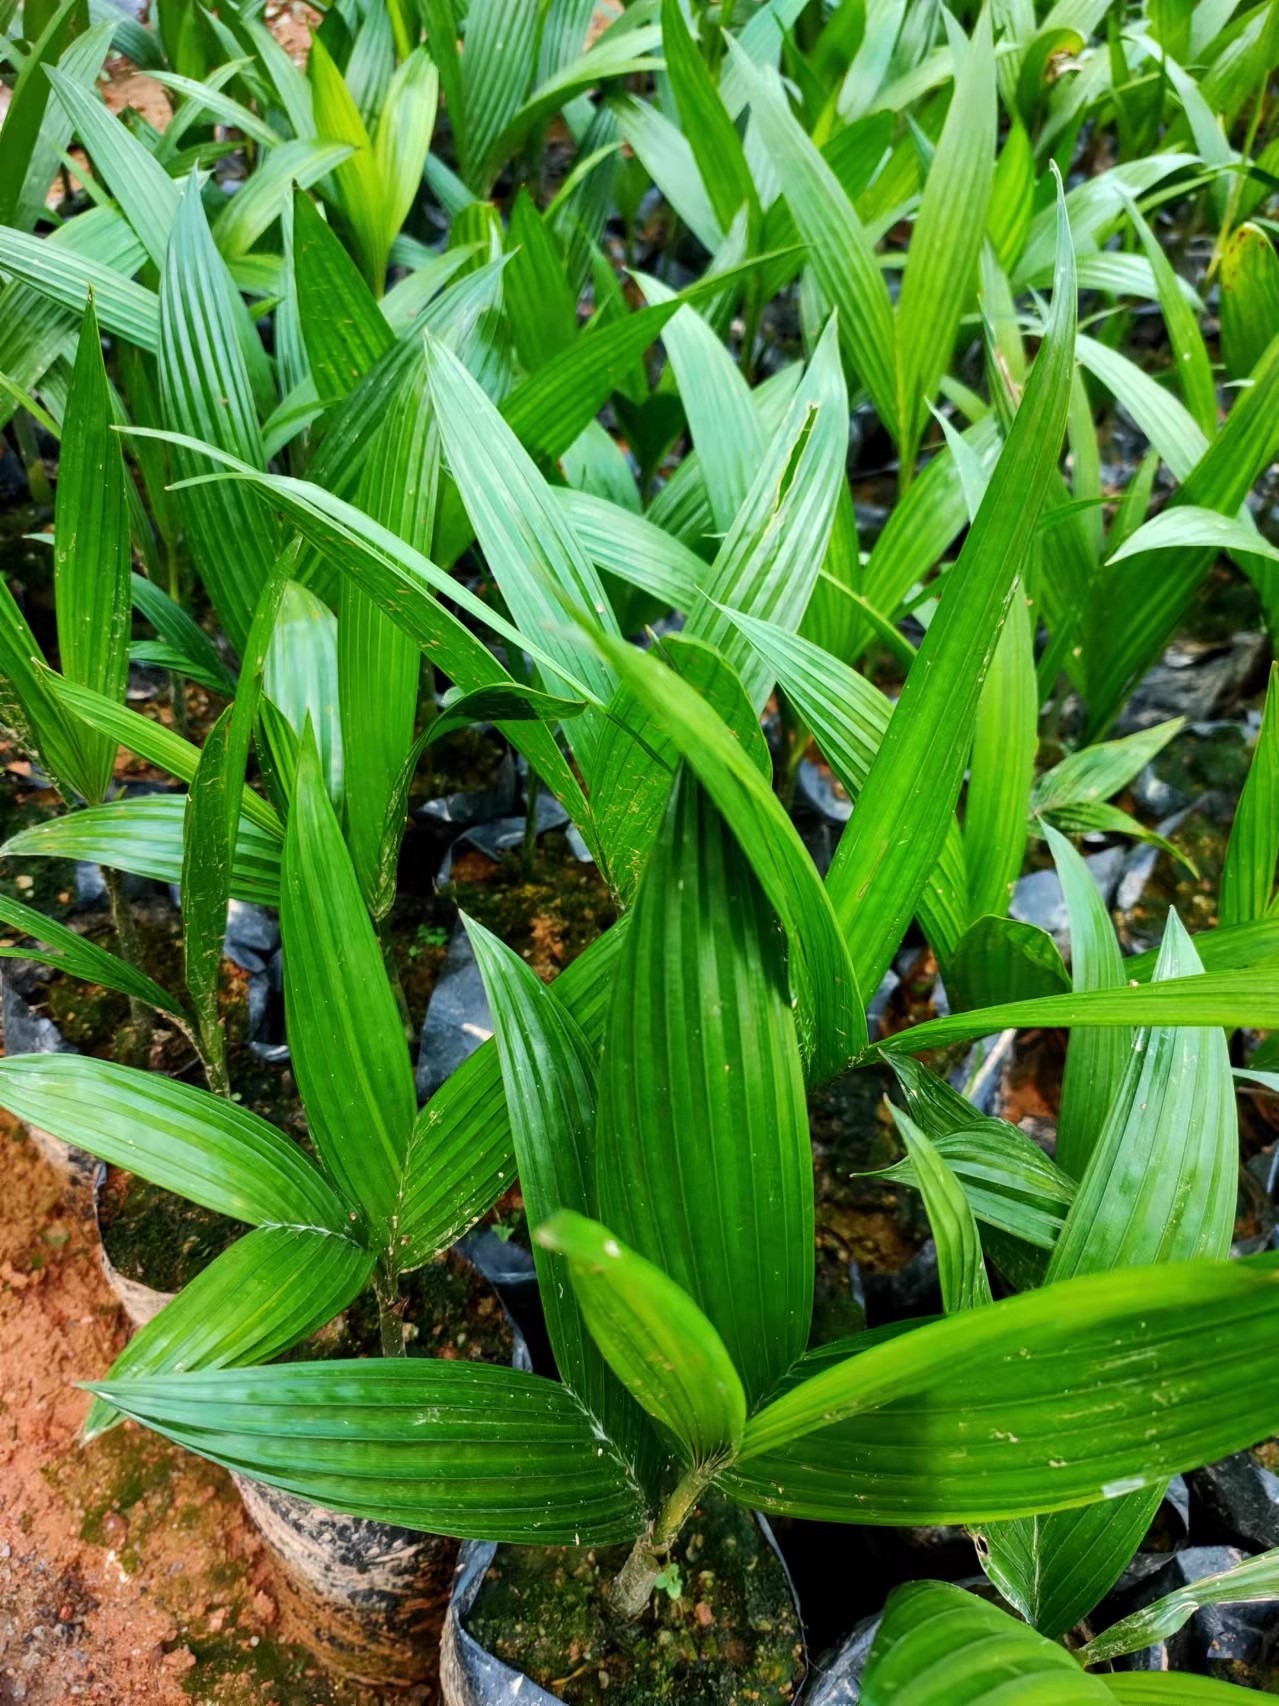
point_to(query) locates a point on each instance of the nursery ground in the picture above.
(128, 1572)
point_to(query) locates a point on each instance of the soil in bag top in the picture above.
(721, 1630)
(157, 1238)
(450, 1311)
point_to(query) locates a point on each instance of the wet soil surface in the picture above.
(722, 1633)
(156, 1238)
(128, 1571)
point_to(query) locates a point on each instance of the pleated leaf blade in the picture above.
(459, 1448)
(832, 1017)
(204, 1147)
(345, 1036)
(702, 1146)
(206, 394)
(270, 1290)
(548, 1073)
(902, 818)
(941, 1646)
(960, 1420)
(91, 551)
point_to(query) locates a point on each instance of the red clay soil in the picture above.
(128, 1572)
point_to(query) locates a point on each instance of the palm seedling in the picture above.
(445, 413)
(677, 1274)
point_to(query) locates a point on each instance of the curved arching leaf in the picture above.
(202, 1146)
(271, 1289)
(941, 1646)
(656, 1340)
(463, 1448)
(960, 1420)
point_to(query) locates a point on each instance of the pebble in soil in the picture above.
(724, 1632)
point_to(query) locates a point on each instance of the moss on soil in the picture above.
(168, 1514)
(1226, 604)
(730, 1638)
(1214, 756)
(465, 762)
(418, 931)
(96, 1021)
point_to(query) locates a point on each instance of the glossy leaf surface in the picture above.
(701, 1095)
